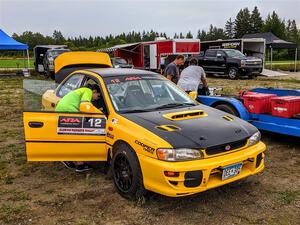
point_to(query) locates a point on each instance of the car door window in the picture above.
(222, 53)
(70, 84)
(211, 53)
(100, 103)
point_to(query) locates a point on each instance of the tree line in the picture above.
(245, 22)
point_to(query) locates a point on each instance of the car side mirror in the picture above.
(219, 55)
(193, 94)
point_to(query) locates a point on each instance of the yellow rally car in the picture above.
(154, 135)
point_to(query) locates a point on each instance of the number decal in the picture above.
(98, 122)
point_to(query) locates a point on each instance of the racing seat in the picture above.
(134, 96)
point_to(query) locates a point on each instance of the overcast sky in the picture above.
(96, 17)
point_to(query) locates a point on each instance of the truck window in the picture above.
(221, 52)
(211, 53)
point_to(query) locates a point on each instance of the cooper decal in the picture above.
(71, 125)
(147, 148)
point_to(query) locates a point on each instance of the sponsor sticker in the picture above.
(76, 125)
(147, 148)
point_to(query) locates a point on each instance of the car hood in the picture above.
(202, 132)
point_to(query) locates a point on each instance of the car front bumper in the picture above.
(211, 168)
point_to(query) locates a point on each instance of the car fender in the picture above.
(217, 100)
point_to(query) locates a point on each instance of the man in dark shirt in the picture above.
(172, 69)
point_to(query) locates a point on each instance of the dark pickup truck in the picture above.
(231, 62)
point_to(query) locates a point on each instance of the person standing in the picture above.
(193, 76)
(172, 69)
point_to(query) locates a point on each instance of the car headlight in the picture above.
(180, 154)
(243, 62)
(254, 139)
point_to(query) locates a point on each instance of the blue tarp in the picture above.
(8, 43)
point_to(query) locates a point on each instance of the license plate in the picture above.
(231, 171)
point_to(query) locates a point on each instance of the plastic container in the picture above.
(285, 106)
(258, 103)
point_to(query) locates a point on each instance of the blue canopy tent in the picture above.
(8, 43)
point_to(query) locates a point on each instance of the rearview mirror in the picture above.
(193, 94)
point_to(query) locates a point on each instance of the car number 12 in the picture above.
(95, 122)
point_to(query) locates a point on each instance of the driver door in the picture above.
(55, 136)
(65, 136)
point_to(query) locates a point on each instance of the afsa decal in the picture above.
(70, 120)
(147, 148)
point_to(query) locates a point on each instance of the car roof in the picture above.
(110, 72)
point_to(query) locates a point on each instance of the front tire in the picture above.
(127, 173)
(233, 73)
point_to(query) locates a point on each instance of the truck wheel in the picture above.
(233, 73)
(227, 108)
(127, 173)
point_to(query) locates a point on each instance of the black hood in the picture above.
(203, 132)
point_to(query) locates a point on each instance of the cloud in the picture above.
(95, 17)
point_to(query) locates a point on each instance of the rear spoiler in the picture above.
(79, 58)
(68, 62)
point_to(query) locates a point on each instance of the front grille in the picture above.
(253, 63)
(224, 147)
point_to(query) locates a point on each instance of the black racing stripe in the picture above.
(205, 132)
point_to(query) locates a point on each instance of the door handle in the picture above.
(36, 124)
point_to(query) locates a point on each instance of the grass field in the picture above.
(15, 63)
(47, 193)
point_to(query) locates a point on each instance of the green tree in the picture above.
(256, 21)
(229, 28)
(275, 25)
(58, 37)
(189, 35)
(242, 24)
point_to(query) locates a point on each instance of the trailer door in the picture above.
(153, 57)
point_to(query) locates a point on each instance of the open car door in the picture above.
(56, 136)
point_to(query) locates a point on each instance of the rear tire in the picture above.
(233, 73)
(127, 173)
(228, 109)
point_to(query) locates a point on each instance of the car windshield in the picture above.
(119, 61)
(136, 93)
(57, 52)
(234, 53)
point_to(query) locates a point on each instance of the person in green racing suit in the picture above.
(76, 101)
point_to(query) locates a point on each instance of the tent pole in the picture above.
(295, 68)
(271, 57)
(28, 62)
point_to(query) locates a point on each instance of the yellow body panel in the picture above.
(45, 144)
(153, 171)
(121, 129)
(77, 58)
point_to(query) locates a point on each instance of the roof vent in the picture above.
(192, 114)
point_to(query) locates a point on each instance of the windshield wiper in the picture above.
(135, 111)
(171, 105)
